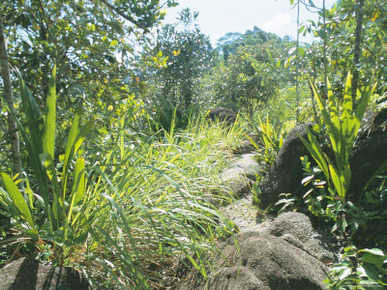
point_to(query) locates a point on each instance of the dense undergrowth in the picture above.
(356, 219)
(132, 211)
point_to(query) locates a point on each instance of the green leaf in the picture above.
(373, 256)
(50, 117)
(344, 273)
(79, 186)
(57, 202)
(314, 149)
(307, 179)
(17, 198)
(79, 180)
(363, 103)
(338, 181)
(76, 137)
(372, 271)
(71, 139)
(32, 137)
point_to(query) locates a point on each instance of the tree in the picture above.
(247, 71)
(188, 54)
(356, 37)
(89, 40)
(91, 43)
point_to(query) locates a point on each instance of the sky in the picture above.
(217, 17)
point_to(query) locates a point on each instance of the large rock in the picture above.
(369, 153)
(266, 262)
(222, 114)
(286, 173)
(296, 228)
(286, 253)
(28, 274)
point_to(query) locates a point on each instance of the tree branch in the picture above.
(123, 15)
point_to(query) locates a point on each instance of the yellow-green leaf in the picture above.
(17, 198)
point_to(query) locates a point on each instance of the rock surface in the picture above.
(369, 153)
(28, 274)
(267, 262)
(286, 173)
(248, 145)
(239, 178)
(286, 253)
(296, 227)
(244, 165)
(222, 114)
(242, 212)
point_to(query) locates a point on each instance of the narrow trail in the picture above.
(240, 177)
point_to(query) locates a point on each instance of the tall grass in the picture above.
(144, 204)
(165, 206)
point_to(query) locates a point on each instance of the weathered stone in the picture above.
(244, 165)
(241, 212)
(369, 153)
(286, 173)
(238, 278)
(223, 115)
(239, 185)
(248, 145)
(296, 228)
(293, 259)
(28, 274)
(267, 262)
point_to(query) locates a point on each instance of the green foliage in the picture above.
(359, 269)
(342, 123)
(271, 139)
(56, 212)
(339, 33)
(166, 209)
(287, 203)
(187, 54)
(146, 200)
(360, 222)
(129, 203)
(247, 74)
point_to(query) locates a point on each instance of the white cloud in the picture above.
(277, 24)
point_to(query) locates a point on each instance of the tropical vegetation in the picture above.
(110, 165)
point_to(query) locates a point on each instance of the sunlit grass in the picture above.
(130, 213)
(162, 195)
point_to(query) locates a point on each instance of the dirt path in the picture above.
(240, 177)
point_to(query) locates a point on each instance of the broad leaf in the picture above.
(50, 117)
(17, 198)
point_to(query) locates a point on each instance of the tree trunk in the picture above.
(8, 94)
(298, 66)
(357, 49)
